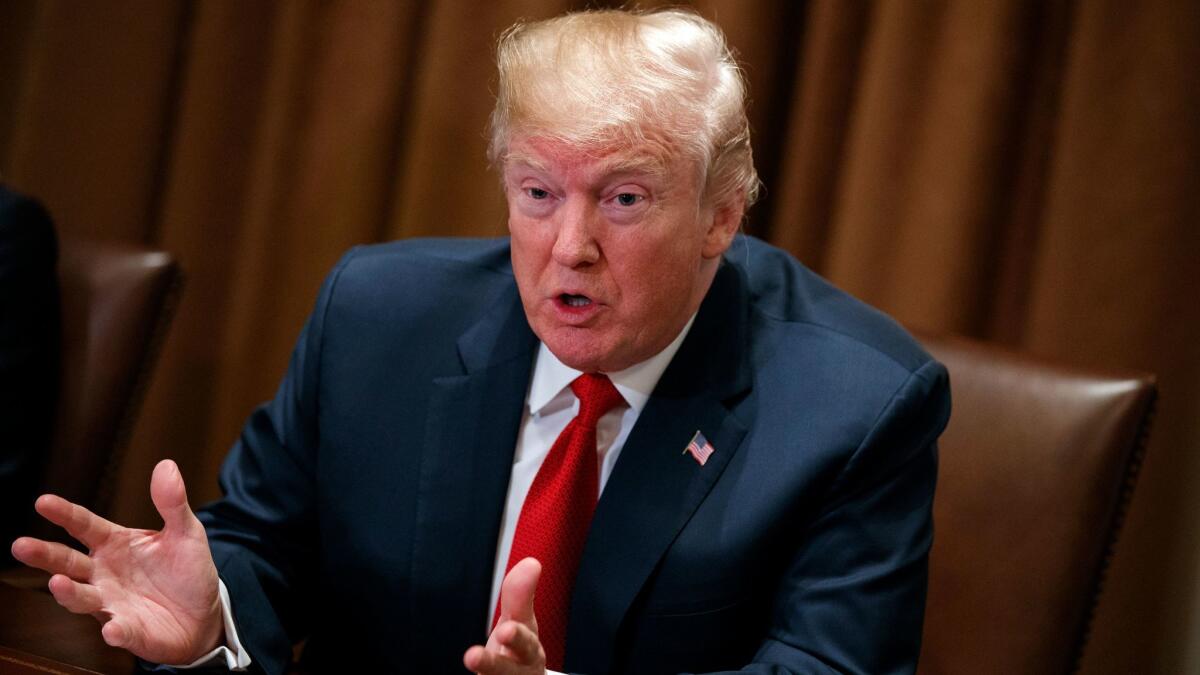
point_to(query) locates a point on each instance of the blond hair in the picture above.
(595, 78)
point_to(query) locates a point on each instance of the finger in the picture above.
(53, 557)
(522, 643)
(90, 529)
(115, 633)
(517, 591)
(170, 497)
(484, 662)
(76, 597)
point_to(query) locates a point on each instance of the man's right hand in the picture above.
(155, 593)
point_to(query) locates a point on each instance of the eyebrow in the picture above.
(647, 164)
(527, 160)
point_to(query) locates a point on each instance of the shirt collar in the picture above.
(635, 383)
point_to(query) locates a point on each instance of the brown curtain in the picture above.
(1021, 171)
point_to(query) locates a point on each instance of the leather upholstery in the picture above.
(1036, 468)
(116, 304)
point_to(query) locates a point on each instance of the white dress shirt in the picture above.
(549, 406)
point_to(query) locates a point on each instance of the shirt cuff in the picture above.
(231, 653)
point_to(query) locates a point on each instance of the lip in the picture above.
(572, 315)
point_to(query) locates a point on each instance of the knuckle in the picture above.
(63, 595)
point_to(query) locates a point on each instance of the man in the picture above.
(29, 326)
(623, 440)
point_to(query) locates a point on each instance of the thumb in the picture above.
(170, 496)
(517, 591)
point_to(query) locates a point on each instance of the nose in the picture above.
(575, 243)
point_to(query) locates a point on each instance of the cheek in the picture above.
(531, 257)
(652, 284)
(660, 277)
(526, 237)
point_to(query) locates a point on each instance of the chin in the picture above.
(581, 360)
(586, 355)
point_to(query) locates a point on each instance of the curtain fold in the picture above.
(1116, 280)
(1014, 170)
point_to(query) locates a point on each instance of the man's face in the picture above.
(613, 250)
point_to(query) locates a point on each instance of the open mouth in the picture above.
(572, 300)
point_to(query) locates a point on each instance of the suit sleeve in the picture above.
(29, 354)
(263, 532)
(853, 597)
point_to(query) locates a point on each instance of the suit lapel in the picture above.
(471, 432)
(654, 488)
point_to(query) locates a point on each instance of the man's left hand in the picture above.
(513, 647)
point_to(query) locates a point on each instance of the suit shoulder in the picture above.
(458, 254)
(437, 280)
(26, 232)
(20, 214)
(457, 266)
(783, 290)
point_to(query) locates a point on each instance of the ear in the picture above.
(726, 221)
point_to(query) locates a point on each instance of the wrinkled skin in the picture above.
(513, 647)
(154, 593)
(613, 250)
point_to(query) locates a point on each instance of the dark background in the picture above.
(1021, 171)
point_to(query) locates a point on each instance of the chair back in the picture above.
(117, 302)
(1036, 470)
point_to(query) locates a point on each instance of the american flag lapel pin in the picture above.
(699, 447)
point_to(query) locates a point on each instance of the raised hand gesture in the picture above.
(513, 647)
(154, 593)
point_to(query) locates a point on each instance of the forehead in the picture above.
(550, 156)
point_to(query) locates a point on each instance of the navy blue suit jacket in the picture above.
(29, 356)
(363, 502)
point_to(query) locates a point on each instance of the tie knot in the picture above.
(597, 395)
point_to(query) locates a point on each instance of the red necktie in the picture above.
(558, 511)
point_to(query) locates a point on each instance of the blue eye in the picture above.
(537, 193)
(628, 199)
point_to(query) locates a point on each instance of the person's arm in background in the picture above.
(29, 354)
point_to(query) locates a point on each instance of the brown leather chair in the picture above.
(1036, 470)
(117, 302)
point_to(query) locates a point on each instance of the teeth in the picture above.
(576, 300)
